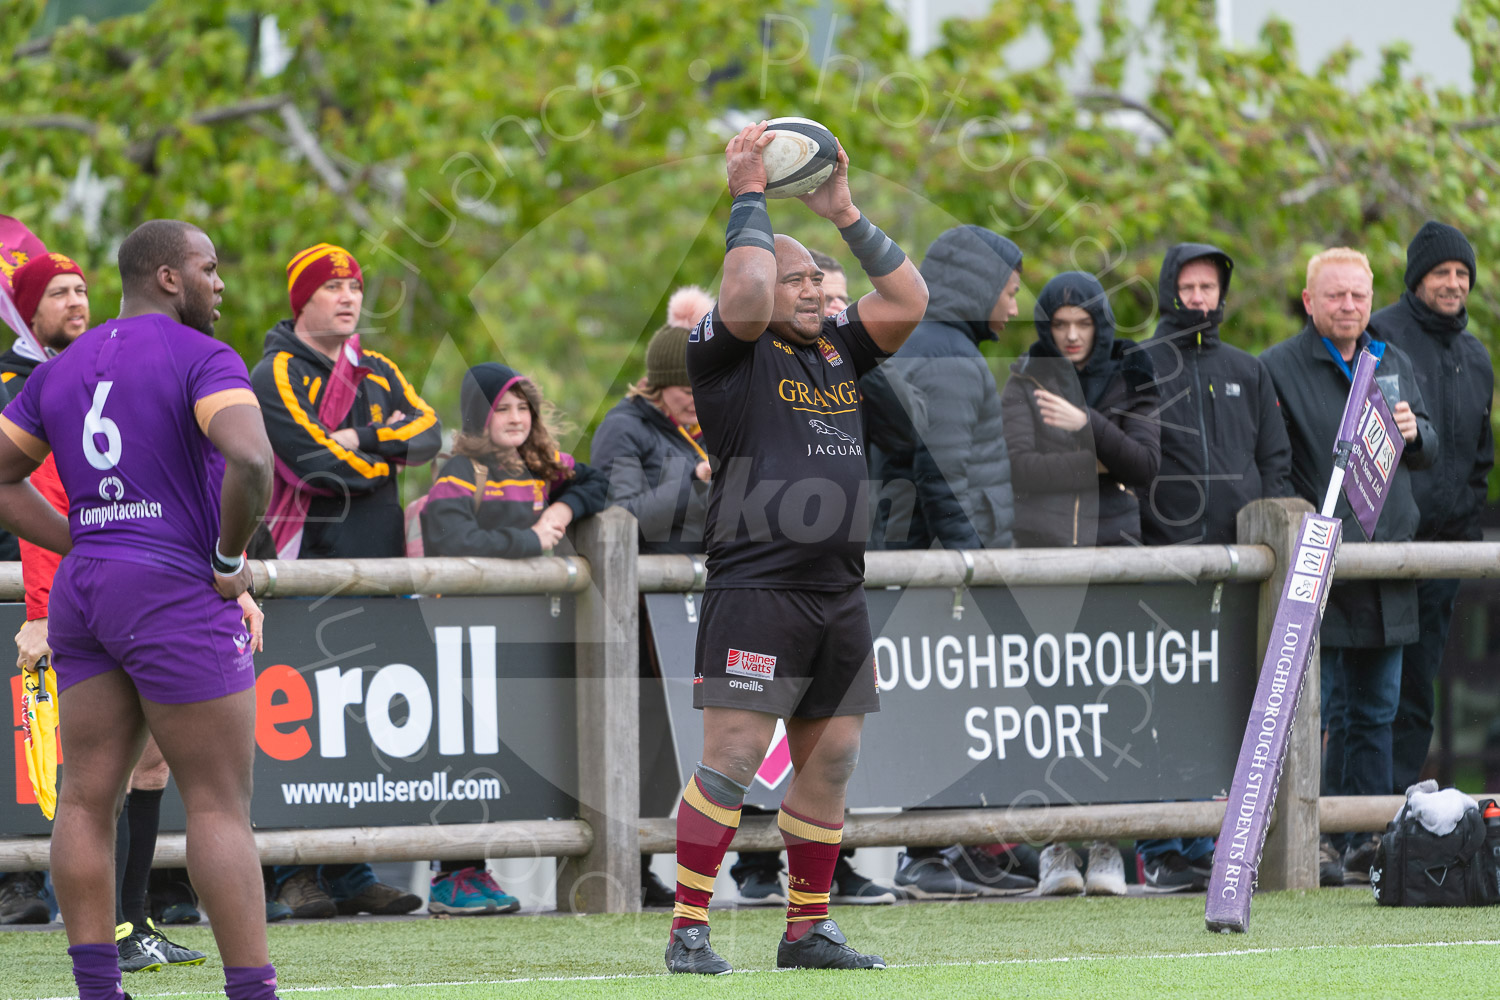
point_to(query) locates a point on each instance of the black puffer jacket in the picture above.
(1313, 389)
(1223, 442)
(1458, 384)
(649, 464)
(1062, 496)
(959, 469)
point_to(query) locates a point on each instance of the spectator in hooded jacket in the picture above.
(506, 493)
(1367, 622)
(1084, 445)
(933, 418)
(958, 464)
(1223, 444)
(1080, 423)
(1430, 323)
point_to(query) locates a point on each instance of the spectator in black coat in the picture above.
(649, 445)
(958, 463)
(1223, 442)
(1080, 420)
(650, 448)
(1430, 323)
(1080, 423)
(1367, 621)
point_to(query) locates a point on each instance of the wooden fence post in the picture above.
(608, 878)
(1290, 858)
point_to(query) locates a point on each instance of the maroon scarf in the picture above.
(290, 496)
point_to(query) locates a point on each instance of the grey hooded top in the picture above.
(950, 485)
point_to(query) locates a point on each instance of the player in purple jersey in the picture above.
(161, 448)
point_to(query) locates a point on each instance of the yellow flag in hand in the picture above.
(39, 722)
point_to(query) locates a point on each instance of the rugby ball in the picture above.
(800, 158)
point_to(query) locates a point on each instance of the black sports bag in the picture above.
(1415, 867)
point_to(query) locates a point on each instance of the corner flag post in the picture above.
(1366, 451)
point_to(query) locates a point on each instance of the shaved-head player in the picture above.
(160, 446)
(784, 631)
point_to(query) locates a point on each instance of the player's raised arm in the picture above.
(747, 294)
(895, 307)
(240, 435)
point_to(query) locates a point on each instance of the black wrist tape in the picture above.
(876, 252)
(750, 223)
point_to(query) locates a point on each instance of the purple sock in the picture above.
(96, 970)
(241, 982)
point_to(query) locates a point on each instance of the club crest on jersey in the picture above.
(747, 664)
(842, 319)
(830, 353)
(704, 331)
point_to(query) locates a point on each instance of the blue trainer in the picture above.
(469, 892)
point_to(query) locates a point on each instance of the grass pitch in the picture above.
(1318, 944)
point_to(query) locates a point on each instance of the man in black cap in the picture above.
(1453, 371)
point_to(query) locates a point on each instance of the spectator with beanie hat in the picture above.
(650, 448)
(507, 493)
(649, 444)
(342, 421)
(1430, 323)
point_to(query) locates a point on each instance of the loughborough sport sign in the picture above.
(1026, 696)
(392, 711)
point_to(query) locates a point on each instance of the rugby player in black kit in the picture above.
(784, 631)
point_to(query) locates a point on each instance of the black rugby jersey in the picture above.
(790, 498)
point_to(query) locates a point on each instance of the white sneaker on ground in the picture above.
(1059, 870)
(1106, 871)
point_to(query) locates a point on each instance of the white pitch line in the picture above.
(1055, 960)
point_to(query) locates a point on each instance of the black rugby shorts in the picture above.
(801, 654)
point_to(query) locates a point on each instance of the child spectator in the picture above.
(507, 492)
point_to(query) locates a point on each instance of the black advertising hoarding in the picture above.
(1027, 696)
(395, 712)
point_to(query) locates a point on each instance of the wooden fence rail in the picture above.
(603, 847)
(575, 838)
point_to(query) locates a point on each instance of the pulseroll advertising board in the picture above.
(391, 711)
(1027, 695)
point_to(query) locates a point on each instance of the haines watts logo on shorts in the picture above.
(747, 664)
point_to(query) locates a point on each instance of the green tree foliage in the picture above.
(530, 182)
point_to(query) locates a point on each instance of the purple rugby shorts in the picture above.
(173, 635)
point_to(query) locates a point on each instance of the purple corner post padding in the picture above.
(1369, 446)
(1258, 770)
(1375, 446)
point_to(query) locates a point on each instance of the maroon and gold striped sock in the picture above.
(812, 851)
(704, 829)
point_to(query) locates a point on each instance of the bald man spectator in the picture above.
(1367, 621)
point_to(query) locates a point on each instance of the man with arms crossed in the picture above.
(161, 449)
(785, 633)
